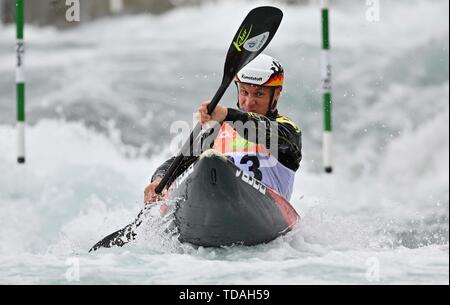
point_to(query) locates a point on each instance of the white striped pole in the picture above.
(20, 82)
(326, 87)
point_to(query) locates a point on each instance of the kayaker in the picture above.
(259, 86)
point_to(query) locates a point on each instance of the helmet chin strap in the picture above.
(272, 111)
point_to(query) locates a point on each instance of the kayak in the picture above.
(217, 204)
(213, 204)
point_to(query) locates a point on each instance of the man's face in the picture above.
(255, 98)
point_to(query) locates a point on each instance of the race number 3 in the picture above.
(254, 166)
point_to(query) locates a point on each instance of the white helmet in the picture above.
(264, 70)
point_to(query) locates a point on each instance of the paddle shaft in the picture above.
(187, 147)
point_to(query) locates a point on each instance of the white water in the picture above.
(100, 101)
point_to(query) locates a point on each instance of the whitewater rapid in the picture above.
(100, 101)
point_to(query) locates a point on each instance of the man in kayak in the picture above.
(259, 87)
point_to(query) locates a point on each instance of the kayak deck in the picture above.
(221, 206)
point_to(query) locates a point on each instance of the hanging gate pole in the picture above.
(20, 82)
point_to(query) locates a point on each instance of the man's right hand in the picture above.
(150, 195)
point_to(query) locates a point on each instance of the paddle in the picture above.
(255, 33)
(253, 36)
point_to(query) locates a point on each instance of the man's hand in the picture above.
(219, 114)
(150, 195)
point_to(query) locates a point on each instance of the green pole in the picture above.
(326, 87)
(20, 82)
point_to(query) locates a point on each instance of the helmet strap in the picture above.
(272, 104)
